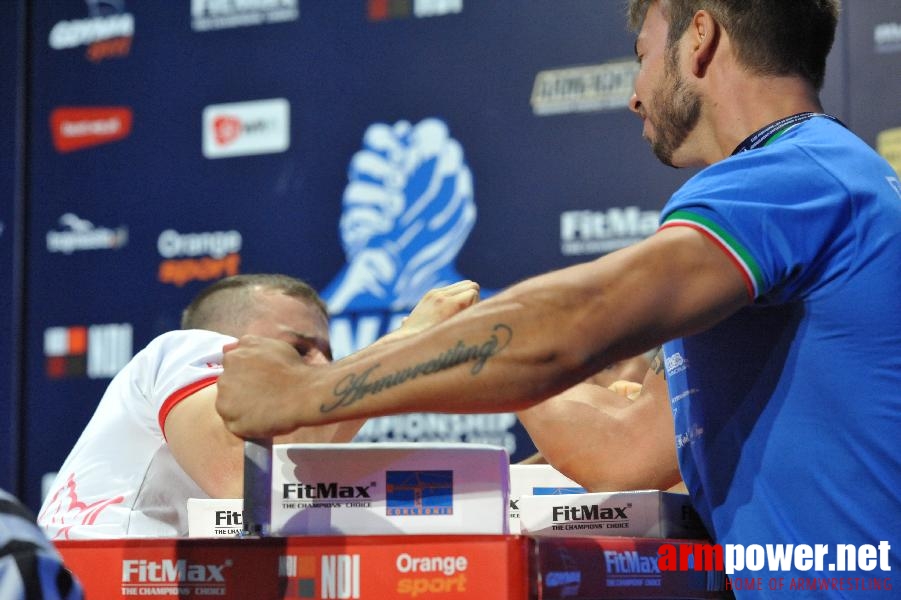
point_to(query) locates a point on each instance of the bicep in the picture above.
(203, 447)
(675, 283)
(693, 281)
(213, 457)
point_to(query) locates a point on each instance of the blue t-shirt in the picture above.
(788, 414)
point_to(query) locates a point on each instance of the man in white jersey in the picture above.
(156, 440)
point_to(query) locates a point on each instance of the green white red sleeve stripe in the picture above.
(737, 253)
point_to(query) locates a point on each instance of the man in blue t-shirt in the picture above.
(774, 282)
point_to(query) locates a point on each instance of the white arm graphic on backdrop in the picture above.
(407, 210)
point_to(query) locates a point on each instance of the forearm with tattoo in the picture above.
(369, 382)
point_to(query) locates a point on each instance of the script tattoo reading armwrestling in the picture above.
(357, 386)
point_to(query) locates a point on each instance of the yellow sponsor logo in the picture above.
(888, 144)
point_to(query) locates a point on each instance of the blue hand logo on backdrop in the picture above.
(407, 210)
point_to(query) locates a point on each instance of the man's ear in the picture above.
(704, 33)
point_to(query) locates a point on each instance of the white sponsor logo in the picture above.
(245, 128)
(431, 574)
(80, 234)
(380, 10)
(674, 364)
(84, 32)
(689, 437)
(887, 37)
(169, 577)
(209, 15)
(607, 86)
(218, 244)
(91, 127)
(198, 256)
(436, 8)
(598, 232)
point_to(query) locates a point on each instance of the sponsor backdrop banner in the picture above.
(376, 148)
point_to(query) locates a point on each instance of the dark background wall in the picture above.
(12, 64)
(164, 148)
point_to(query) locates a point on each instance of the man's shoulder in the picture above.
(185, 339)
(174, 350)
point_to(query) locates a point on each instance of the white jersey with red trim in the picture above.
(121, 480)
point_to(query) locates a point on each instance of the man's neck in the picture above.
(754, 103)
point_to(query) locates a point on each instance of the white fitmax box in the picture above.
(536, 480)
(642, 513)
(376, 488)
(215, 517)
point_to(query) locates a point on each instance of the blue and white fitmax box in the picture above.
(536, 480)
(639, 513)
(382, 489)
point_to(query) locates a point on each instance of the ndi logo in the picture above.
(98, 351)
(410, 493)
(339, 576)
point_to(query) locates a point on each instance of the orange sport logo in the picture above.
(198, 256)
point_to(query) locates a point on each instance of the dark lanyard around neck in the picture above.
(773, 131)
